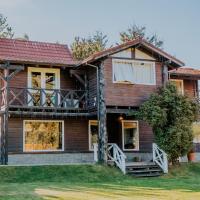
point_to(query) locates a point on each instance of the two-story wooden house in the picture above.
(53, 108)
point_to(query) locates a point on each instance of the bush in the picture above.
(171, 116)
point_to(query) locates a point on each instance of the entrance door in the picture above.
(130, 135)
(42, 83)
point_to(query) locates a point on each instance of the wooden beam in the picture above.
(102, 136)
(77, 74)
(11, 67)
(49, 114)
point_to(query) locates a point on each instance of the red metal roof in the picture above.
(35, 52)
(185, 71)
(129, 44)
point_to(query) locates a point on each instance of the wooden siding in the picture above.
(126, 94)
(75, 135)
(66, 82)
(190, 88)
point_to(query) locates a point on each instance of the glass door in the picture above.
(43, 84)
(130, 135)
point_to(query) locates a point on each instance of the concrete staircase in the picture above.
(143, 169)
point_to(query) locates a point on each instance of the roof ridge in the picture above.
(34, 41)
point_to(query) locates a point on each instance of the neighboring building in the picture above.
(186, 80)
(49, 103)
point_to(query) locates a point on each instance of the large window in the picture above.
(130, 135)
(179, 85)
(135, 72)
(93, 133)
(43, 135)
(43, 78)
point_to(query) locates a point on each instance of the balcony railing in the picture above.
(44, 98)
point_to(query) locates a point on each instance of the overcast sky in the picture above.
(177, 22)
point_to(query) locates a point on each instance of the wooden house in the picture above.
(54, 109)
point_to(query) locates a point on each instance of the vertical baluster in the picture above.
(72, 99)
(56, 98)
(95, 145)
(41, 97)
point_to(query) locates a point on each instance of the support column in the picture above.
(6, 77)
(103, 139)
(4, 134)
(165, 74)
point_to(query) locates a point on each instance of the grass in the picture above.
(83, 182)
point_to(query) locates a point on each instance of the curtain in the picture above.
(123, 72)
(143, 73)
(134, 72)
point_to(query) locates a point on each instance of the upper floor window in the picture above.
(135, 72)
(179, 85)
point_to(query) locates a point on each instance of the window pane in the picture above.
(178, 84)
(36, 80)
(130, 135)
(134, 71)
(143, 73)
(50, 80)
(123, 72)
(93, 133)
(43, 135)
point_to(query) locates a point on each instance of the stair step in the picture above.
(142, 167)
(144, 171)
(147, 175)
(139, 163)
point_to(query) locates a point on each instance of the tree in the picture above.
(171, 116)
(84, 47)
(136, 31)
(5, 29)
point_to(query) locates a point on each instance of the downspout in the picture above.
(97, 100)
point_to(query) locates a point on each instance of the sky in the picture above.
(176, 22)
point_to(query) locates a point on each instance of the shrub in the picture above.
(171, 116)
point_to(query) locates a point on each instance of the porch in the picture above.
(130, 146)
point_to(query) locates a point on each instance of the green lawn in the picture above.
(96, 183)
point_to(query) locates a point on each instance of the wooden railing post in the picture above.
(95, 145)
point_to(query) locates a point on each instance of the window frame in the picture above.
(182, 84)
(138, 133)
(89, 131)
(132, 61)
(30, 120)
(43, 71)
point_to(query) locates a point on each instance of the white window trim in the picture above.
(89, 131)
(138, 141)
(132, 61)
(59, 150)
(182, 84)
(43, 71)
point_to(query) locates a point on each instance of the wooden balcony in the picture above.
(48, 102)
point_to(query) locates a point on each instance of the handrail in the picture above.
(40, 97)
(116, 155)
(160, 157)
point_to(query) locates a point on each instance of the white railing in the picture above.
(116, 155)
(160, 157)
(95, 146)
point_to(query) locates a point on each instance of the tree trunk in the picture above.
(102, 156)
